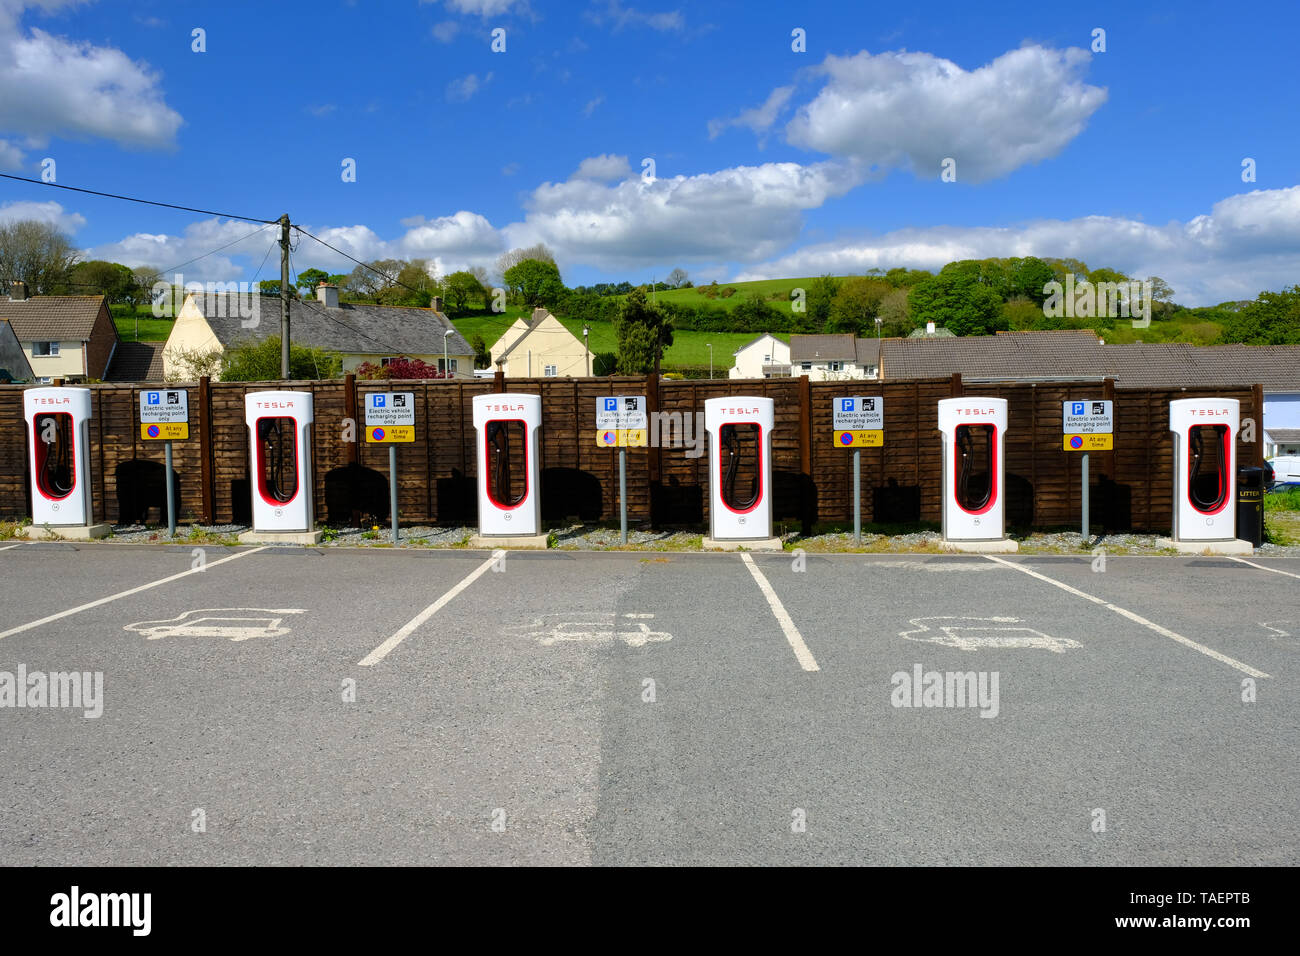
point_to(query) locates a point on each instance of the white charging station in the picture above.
(280, 466)
(974, 473)
(58, 436)
(507, 426)
(739, 432)
(1205, 470)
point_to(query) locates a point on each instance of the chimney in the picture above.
(929, 328)
(18, 291)
(437, 303)
(328, 295)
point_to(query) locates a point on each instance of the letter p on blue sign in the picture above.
(1076, 408)
(153, 398)
(846, 404)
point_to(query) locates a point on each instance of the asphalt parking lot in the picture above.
(349, 706)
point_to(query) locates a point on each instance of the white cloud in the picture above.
(618, 17)
(591, 106)
(446, 31)
(484, 8)
(463, 90)
(915, 109)
(325, 109)
(760, 118)
(245, 248)
(739, 214)
(464, 235)
(11, 157)
(50, 212)
(1246, 243)
(53, 86)
(603, 168)
(509, 169)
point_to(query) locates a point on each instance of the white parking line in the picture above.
(792, 635)
(10, 547)
(1136, 618)
(1263, 567)
(383, 650)
(121, 594)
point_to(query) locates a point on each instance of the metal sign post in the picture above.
(621, 422)
(1088, 426)
(390, 420)
(164, 416)
(858, 423)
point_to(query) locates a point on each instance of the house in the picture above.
(764, 357)
(14, 366)
(1008, 356)
(826, 358)
(71, 337)
(540, 347)
(211, 322)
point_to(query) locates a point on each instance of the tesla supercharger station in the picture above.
(1205, 469)
(509, 468)
(58, 434)
(974, 473)
(279, 451)
(739, 433)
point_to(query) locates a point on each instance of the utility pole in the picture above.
(284, 297)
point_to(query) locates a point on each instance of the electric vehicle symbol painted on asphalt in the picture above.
(236, 623)
(976, 633)
(631, 629)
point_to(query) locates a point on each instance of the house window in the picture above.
(45, 348)
(835, 366)
(806, 366)
(549, 371)
(767, 358)
(383, 362)
(451, 365)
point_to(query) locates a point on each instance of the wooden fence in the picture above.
(1132, 487)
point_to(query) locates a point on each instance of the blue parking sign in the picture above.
(846, 404)
(153, 398)
(379, 401)
(1076, 408)
(611, 404)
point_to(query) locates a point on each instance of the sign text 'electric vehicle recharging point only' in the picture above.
(740, 473)
(1205, 474)
(279, 447)
(58, 439)
(974, 473)
(506, 429)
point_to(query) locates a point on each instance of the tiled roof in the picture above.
(868, 351)
(351, 328)
(822, 348)
(1078, 353)
(1283, 436)
(52, 318)
(136, 362)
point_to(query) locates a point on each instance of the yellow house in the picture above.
(208, 323)
(541, 348)
(71, 337)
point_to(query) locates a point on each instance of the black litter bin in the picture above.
(1250, 505)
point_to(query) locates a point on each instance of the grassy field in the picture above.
(151, 329)
(773, 290)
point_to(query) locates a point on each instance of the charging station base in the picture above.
(1235, 546)
(522, 542)
(280, 537)
(995, 546)
(752, 544)
(69, 532)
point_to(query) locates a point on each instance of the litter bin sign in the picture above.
(1250, 505)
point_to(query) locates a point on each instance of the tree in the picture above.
(534, 282)
(958, 301)
(482, 357)
(113, 281)
(508, 260)
(260, 362)
(460, 287)
(643, 334)
(399, 368)
(1272, 319)
(854, 308)
(1028, 276)
(893, 311)
(677, 277)
(37, 253)
(604, 363)
(311, 278)
(1162, 297)
(190, 365)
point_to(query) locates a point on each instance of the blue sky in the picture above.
(767, 162)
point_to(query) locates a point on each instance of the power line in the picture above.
(218, 249)
(146, 202)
